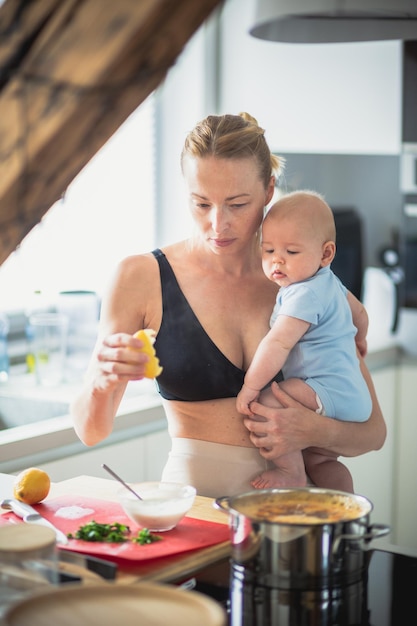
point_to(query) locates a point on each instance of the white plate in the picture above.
(107, 604)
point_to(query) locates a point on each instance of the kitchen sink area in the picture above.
(36, 428)
(24, 402)
(17, 411)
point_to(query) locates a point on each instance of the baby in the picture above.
(317, 326)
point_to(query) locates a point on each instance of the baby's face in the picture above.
(291, 252)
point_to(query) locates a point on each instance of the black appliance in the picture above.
(410, 273)
(408, 173)
(348, 262)
(381, 596)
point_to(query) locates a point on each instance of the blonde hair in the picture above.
(233, 137)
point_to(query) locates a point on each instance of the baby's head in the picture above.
(298, 237)
(307, 210)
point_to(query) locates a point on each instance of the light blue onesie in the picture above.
(325, 357)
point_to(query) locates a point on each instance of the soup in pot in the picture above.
(302, 507)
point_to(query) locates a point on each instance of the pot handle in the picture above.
(374, 531)
(222, 503)
(377, 530)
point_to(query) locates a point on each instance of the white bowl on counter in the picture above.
(162, 507)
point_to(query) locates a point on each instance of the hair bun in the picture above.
(249, 118)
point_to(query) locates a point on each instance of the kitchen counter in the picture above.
(170, 569)
(380, 597)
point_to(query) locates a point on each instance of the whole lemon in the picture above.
(31, 486)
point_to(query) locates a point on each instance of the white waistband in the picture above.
(215, 469)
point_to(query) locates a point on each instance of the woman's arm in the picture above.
(113, 364)
(360, 320)
(116, 358)
(278, 431)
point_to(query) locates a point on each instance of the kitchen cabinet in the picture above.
(405, 495)
(373, 473)
(312, 98)
(387, 476)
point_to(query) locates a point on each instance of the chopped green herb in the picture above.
(94, 531)
(144, 536)
(112, 533)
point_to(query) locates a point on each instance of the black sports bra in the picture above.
(193, 367)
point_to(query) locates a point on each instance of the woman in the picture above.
(210, 303)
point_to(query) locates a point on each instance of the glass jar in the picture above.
(28, 561)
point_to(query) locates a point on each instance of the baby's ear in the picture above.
(328, 253)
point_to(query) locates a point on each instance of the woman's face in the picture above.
(227, 199)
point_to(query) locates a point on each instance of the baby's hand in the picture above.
(244, 398)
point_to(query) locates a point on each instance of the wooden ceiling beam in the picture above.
(71, 72)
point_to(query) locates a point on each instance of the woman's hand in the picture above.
(278, 430)
(115, 361)
(282, 425)
(118, 359)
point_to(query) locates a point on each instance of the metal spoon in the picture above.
(110, 471)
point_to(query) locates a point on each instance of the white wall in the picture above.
(183, 99)
(324, 98)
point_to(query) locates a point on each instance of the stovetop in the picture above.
(381, 597)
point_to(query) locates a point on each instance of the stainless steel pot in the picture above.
(310, 552)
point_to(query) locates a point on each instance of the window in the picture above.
(106, 214)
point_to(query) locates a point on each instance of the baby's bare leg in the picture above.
(327, 472)
(290, 469)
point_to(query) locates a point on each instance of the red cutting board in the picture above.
(190, 534)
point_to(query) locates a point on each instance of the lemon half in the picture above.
(152, 367)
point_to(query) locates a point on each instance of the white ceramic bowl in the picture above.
(162, 507)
